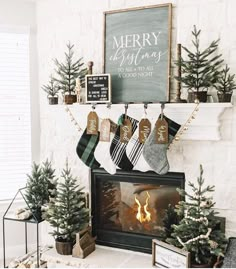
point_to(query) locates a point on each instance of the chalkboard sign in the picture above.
(137, 53)
(98, 88)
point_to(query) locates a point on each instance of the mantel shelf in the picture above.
(205, 126)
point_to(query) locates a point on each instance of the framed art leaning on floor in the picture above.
(168, 256)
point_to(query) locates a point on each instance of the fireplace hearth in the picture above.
(128, 208)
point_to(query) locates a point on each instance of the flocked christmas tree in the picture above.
(50, 178)
(36, 191)
(68, 71)
(198, 231)
(67, 213)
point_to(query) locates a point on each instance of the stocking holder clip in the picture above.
(126, 108)
(94, 106)
(162, 109)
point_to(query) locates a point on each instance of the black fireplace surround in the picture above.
(115, 200)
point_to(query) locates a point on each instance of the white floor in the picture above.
(102, 257)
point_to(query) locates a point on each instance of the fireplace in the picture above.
(128, 207)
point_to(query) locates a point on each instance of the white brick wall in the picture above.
(81, 22)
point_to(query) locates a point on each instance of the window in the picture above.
(15, 120)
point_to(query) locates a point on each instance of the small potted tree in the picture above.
(198, 230)
(67, 212)
(225, 86)
(67, 72)
(52, 90)
(200, 68)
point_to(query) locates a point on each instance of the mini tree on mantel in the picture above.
(198, 231)
(52, 90)
(226, 85)
(67, 73)
(200, 68)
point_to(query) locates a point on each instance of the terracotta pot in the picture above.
(225, 97)
(70, 99)
(53, 100)
(201, 96)
(64, 247)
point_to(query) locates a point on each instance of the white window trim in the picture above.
(21, 30)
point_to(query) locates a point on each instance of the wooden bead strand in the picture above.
(184, 127)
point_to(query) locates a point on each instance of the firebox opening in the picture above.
(132, 206)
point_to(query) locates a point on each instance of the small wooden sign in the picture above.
(144, 130)
(98, 88)
(125, 131)
(167, 256)
(85, 244)
(92, 123)
(161, 131)
(105, 129)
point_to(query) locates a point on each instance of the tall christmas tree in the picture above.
(68, 71)
(67, 213)
(36, 191)
(198, 230)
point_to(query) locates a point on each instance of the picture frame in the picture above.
(137, 53)
(168, 256)
(98, 88)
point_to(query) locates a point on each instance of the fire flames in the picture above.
(143, 215)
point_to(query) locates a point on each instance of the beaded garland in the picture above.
(201, 219)
(177, 136)
(79, 129)
(199, 237)
(184, 126)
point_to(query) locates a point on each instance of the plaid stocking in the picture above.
(85, 149)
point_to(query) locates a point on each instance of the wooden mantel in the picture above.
(205, 126)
